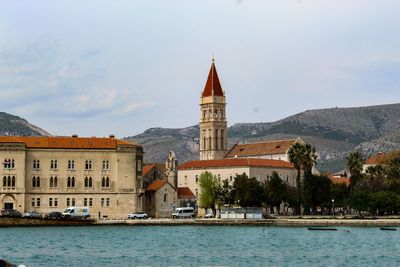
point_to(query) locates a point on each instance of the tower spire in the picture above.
(213, 86)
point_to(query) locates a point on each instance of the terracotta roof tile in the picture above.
(340, 180)
(213, 86)
(61, 142)
(261, 148)
(234, 162)
(157, 184)
(147, 168)
(185, 192)
(379, 158)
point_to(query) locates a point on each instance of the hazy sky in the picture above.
(101, 67)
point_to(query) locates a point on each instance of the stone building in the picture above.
(213, 125)
(52, 173)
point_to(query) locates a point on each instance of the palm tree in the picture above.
(296, 157)
(303, 157)
(355, 166)
(310, 158)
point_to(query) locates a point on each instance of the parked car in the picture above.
(11, 213)
(137, 215)
(208, 215)
(184, 212)
(55, 215)
(32, 214)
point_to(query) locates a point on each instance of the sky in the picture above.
(95, 68)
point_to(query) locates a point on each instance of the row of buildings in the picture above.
(108, 175)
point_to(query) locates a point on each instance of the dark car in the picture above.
(55, 215)
(11, 213)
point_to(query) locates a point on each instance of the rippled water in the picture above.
(199, 246)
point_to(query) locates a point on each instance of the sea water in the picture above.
(199, 246)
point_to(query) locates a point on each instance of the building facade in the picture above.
(52, 173)
(213, 125)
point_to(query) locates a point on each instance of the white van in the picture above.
(76, 212)
(183, 213)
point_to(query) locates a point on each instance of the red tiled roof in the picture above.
(340, 180)
(61, 142)
(147, 168)
(234, 162)
(261, 148)
(157, 184)
(213, 86)
(185, 192)
(376, 159)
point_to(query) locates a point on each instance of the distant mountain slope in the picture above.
(334, 131)
(14, 125)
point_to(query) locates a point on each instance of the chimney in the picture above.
(74, 135)
(112, 136)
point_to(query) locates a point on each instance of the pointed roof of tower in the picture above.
(213, 86)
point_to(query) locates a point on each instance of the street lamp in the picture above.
(333, 207)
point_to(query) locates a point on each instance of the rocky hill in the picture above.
(14, 125)
(335, 132)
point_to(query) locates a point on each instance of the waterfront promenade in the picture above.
(281, 221)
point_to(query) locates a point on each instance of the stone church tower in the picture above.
(171, 169)
(213, 125)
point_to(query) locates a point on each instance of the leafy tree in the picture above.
(316, 191)
(291, 199)
(340, 193)
(226, 194)
(360, 201)
(303, 157)
(374, 179)
(384, 202)
(355, 166)
(247, 191)
(392, 171)
(209, 189)
(275, 192)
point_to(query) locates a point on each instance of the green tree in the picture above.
(392, 171)
(226, 193)
(384, 202)
(340, 193)
(316, 191)
(275, 192)
(360, 201)
(303, 157)
(247, 191)
(374, 179)
(355, 166)
(209, 188)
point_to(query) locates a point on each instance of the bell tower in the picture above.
(213, 125)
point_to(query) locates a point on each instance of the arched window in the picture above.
(165, 197)
(86, 182)
(13, 181)
(8, 181)
(209, 143)
(107, 182)
(38, 181)
(90, 182)
(103, 182)
(12, 164)
(55, 181)
(69, 182)
(73, 181)
(33, 181)
(4, 181)
(51, 181)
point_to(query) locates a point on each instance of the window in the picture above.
(105, 182)
(71, 181)
(186, 180)
(90, 202)
(37, 202)
(33, 202)
(106, 165)
(88, 182)
(36, 164)
(50, 202)
(73, 201)
(85, 202)
(165, 197)
(36, 181)
(88, 165)
(68, 202)
(107, 202)
(53, 164)
(9, 164)
(139, 165)
(71, 164)
(197, 192)
(53, 181)
(9, 181)
(230, 178)
(102, 202)
(197, 178)
(55, 202)
(4, 181)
